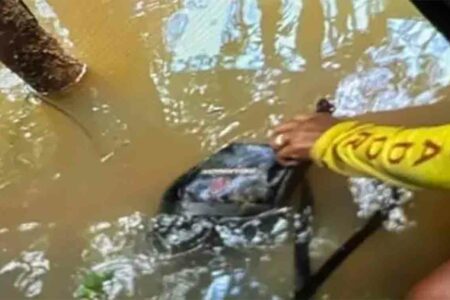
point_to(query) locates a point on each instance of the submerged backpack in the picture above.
(239, 180)
(241, 188)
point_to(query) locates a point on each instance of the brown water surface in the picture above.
(171, 81)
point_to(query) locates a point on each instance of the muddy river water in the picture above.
(169, 82)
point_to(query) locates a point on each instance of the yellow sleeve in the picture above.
(411, 158)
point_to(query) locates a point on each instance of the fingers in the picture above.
(293, 151)
(292, 124)
(278, 141)
(285, 127)
(303, 118)
(286, 156)
(288, 162)
(280, 135)
(293, 140)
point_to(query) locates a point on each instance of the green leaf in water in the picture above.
(91, 287)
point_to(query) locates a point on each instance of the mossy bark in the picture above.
(33, 54)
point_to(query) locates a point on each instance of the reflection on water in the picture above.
(11, 86)
(25, 265)
(231, 41)
(286, 36)
(407, 69)
(206, 41)
(223, 70)
(31, 265)
(341, 25)
(148, 257)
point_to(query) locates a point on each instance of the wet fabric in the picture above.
(411, 158)
(241, 179)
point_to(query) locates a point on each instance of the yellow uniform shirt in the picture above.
(410, 158)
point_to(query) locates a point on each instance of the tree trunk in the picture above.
(30, 52)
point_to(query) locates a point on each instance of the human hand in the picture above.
(294, 139)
